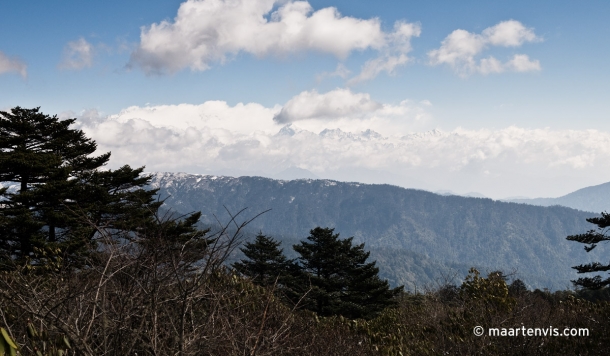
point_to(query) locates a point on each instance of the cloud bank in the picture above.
(214, 137)
(460, 50)
(12, 65)
(205, 32)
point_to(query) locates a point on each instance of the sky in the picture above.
(506, 99)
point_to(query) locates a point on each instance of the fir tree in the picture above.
(341, 281)
(592, 238)
(44, 156)
(265, 263)
(63, 196)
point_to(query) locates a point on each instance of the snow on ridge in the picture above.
(169, 179)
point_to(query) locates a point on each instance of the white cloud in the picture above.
(12, 65)
(211, 115)
(490, 65)
(211, 31)
(77, 55)
(335, 104)
(215, 137)
(509, 33)
(460, 49)
(522, 63)
(341, 108)
(401, 37)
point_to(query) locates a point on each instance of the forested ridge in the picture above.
(95, 262)
(443, 234)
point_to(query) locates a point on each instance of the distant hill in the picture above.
(417, 237)
(595, 199)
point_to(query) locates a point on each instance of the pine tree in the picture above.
(592, 238)
(265, 263)
(44, 156)
(63, 196)
(341, 281)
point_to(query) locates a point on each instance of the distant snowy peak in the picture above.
(167, 180)
(424, 135)
(366, 135)
(370, 134)
(336, 134)
(289, 130)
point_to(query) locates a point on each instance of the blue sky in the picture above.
(502, 98)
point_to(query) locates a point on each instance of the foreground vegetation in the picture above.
(153, 301)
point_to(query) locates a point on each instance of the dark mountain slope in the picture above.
(441, 230)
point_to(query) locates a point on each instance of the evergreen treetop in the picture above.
(265, 261)
(35, 146)
(342, 282)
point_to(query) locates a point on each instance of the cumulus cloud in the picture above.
(460, 49)
(211, 31)
(342, 108)
(12, 65)
(332, 105)
(77, 55)
(509, 34)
